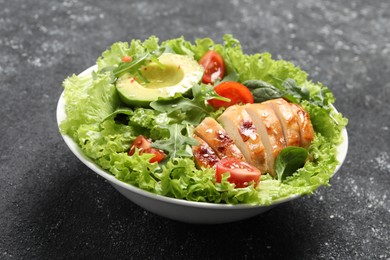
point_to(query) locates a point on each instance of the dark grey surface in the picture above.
(52, 206)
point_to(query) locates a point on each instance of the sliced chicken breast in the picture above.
(255, 133)
(305, 125)
(241, 128)
(288, 120)
(217, 138)
(204, 155)
(270, 130)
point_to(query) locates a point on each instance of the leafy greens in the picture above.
(104, 128)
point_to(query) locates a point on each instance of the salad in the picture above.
(164, 117)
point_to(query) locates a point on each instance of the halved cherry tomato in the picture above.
(127, 59)
(141, 143)
(144, 146)
(214, 66)
(236, 92)
(241, 173)
(158, 155)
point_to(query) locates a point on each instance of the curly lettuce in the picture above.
(104, 129)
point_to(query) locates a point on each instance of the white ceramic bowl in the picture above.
(177, 209)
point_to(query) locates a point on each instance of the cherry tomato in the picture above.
(236, 92)
(214, 66)
(144, 146)
(241, 173)
(127, 59)
(141, 143)
(158, 155)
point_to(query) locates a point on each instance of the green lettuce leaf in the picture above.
(102, 140)
(89, 100)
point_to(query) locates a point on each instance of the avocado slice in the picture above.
(178, 74)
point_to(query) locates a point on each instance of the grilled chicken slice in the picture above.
(270, 130)
(217, 138)
(240, 127)
(255, 133)
(305, 125)
(204, 155)
(288, 120)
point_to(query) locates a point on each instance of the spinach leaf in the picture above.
(262, 91)
(289, 160)
(289, 89)
(293, 92)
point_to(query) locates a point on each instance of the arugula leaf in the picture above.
(133, 66)
(203, 92)
(185, 113)
(289, 160)
(180, 109)
(119, 111)
(178, 144)
(110, 58)
(191, 111)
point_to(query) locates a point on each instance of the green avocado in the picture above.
(178, 74)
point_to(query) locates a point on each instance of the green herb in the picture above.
(293, 92)
(119, 111)
(262, 91)
(185, 113)
(179, 142)
(289, 160)
(192, 111)
(290, 90)
(134, 66)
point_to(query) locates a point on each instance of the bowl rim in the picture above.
(73, 146)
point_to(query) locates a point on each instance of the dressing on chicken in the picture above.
(255, 133)
(217, 138)
(241, 128)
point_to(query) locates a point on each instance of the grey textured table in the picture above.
(52, 206)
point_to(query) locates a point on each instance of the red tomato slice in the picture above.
(236, 92)
(241, 173)
(214, 66)
(158, 155)
(141, 143)
(127, 59)
(144, 146)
